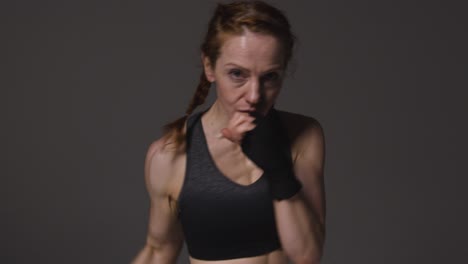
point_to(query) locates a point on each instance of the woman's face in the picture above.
(248, 73)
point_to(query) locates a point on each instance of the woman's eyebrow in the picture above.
(275, 67)
(236, 65)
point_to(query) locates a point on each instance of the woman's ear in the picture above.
(207, 67)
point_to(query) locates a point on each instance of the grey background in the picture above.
(87, 85)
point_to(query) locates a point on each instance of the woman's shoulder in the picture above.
(163, 158)
(166, 146)
(162, 149)
(296, 123)
(301, 129)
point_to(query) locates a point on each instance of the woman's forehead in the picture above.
(251, 50)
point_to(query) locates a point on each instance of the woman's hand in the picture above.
(267, 145)
(238, 125)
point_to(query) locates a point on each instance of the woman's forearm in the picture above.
(161, 255)
(302, 235)
(145, 256)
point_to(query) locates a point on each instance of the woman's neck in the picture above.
(215, 119)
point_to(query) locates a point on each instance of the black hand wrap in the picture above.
(267, 146)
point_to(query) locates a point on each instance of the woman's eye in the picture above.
(272, 76)
(236, 74)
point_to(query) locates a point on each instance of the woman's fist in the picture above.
(268, 146)
(238, 125)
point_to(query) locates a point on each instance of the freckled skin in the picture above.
(248, 76)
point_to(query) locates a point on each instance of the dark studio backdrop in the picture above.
(87, 85)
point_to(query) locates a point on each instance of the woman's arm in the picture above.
(165, 239)
(301, 219)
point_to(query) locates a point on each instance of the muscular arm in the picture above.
(164, 239)
(301, 219)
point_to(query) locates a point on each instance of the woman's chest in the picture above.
(216, 211)
(220, 164)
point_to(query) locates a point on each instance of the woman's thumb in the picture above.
(227, 134)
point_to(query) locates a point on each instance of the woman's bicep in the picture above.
(164, 230)
(309, 168)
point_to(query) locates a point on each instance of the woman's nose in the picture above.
(253, 93)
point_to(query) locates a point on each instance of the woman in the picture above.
(240, 182)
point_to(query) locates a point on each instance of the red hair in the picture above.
(233, 19)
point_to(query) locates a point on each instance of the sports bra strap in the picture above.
(191, 120)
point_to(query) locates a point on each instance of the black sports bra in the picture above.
(222, 219)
